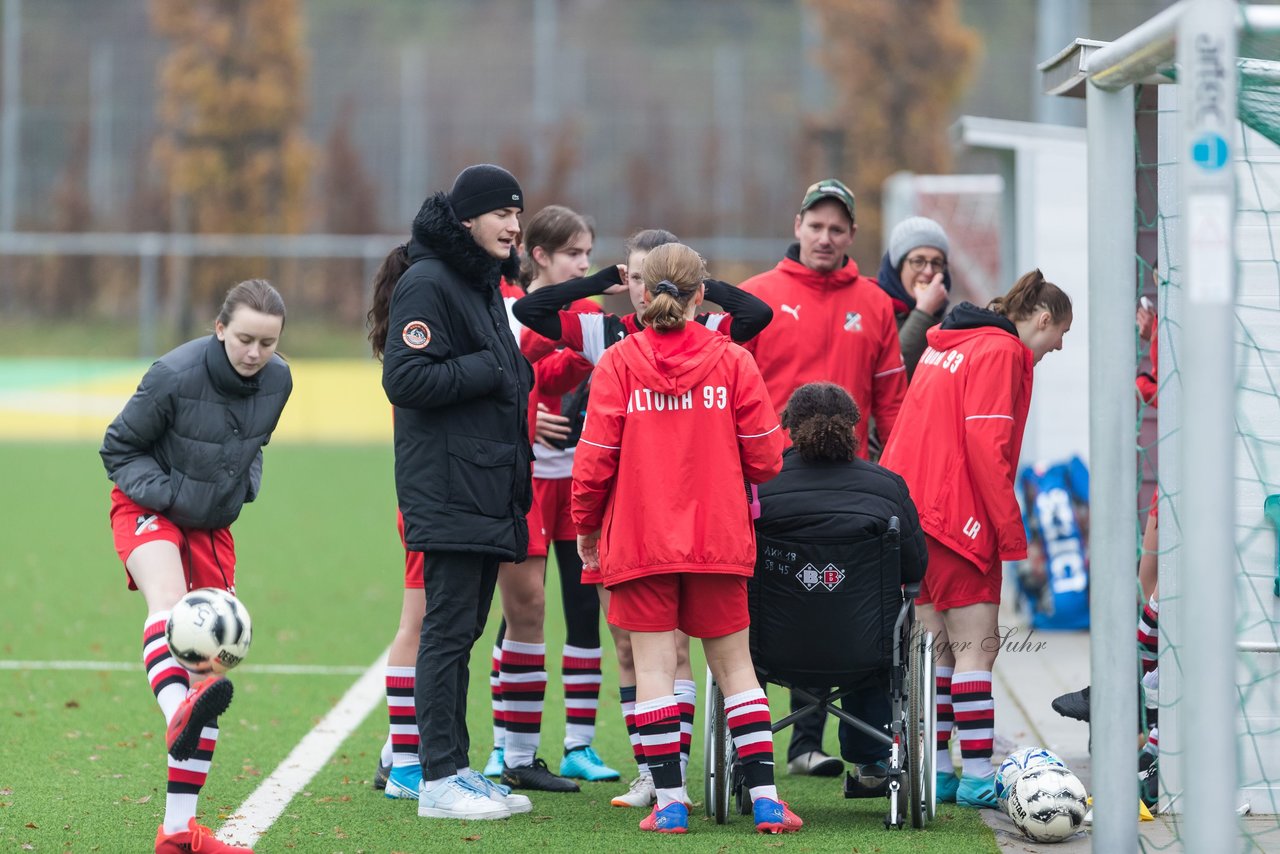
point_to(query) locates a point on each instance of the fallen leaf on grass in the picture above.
(145, 799)
(475, 838)
(72, 704)
(33, 825)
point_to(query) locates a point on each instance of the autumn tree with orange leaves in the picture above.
(898, 68)
(231, 150)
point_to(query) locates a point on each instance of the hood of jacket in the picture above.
(438, 232)
(891, 283)
(842, 277)
(964, 322)
(673, 362)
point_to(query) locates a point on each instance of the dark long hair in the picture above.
(821, 418)
(384, 282)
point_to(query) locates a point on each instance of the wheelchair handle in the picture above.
(911, 590)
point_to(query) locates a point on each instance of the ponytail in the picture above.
(384, 282)
(1030, 294)
(672, 275)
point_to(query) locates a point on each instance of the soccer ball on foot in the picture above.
(1047, 803)
(209, 631)
(1017, 762)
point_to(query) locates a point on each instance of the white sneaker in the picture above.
(455, 799)
(641, 794)
(496, 792)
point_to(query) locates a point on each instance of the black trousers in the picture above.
(806, 733)
(459, 590)
(869, 703)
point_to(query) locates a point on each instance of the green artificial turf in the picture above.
(321, 571)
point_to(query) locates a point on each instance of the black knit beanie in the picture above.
(483, 188)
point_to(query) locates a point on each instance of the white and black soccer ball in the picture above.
(209, 630)
(1017, 762)
(1047, 803)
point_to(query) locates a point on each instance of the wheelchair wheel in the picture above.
(916, 747)
(739, 783)
(930, 694)
(718, 753)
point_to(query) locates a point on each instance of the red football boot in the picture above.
(196, 837)
(208, 700)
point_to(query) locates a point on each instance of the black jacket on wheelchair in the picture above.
(827, 589)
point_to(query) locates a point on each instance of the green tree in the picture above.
(898, 68)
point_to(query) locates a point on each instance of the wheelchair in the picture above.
(833, 614)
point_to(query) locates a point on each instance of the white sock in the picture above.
(185, 781)
(524, 686)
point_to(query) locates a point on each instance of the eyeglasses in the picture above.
(919, 262)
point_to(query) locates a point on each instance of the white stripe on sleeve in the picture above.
(758, 435)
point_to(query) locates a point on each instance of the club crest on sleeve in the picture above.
(416, 335)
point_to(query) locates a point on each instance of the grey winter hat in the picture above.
(914, 232)
(483, 188)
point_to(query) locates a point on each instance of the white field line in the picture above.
(272, 669)
(260, 810)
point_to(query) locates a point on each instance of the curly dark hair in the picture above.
(821, 418)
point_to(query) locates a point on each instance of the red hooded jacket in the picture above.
(834, 327)
(959, 435)
(1149, 383)
(676, 422)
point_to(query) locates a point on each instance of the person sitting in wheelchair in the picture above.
(826, 593)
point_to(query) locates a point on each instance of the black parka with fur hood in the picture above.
(460, 387)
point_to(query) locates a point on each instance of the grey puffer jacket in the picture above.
(188, 444)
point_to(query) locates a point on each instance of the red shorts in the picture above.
(591, 575)
(552, 497)
(700, 604)
(412, 560)
(953, 581)
(538, 540)
(208, 555)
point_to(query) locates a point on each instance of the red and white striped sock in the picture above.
(495, 696)
(975, 713)
(581, 673)
(169, 680)
(186, 778)
(524, 687)
(946, 720)
(1149, 634)
(1153, 741)
(400, 710)
(687, 700)
(627, 695)
(659, 724)
(747, 714)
